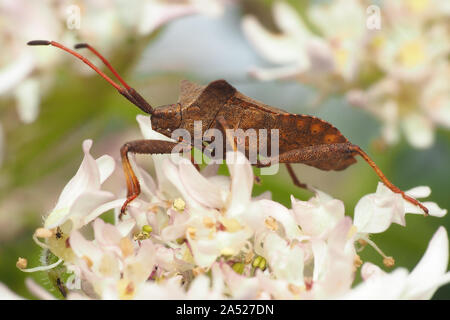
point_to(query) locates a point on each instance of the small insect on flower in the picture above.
(303, 138)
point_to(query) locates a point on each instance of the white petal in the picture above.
(37, 290)
(241, 287)
(146, 129)
(206, 251)
(87, 177)
(373, 215)
(177, 228)
(280, 49)
(155, 15)
(171, 172)
(388, 286)
(258, 211)
(419, 130)
(371, 270)
(241, 182)
(426, 275)
(284, 72)
(103, 208)
(319, 248)
(200, 188)
(106, 235)
(84, 248)
(199, 288)
(434, 209)
(140, 266)
(7, 294)
(106, 166)
(375, 212)
(16, 72)
(125, 227)
(419, 192)
(285, 261)
(28, 98)
(338, 269)
(289, 21)
(318, 215)
(83, 206)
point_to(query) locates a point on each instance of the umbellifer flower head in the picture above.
(199, 235)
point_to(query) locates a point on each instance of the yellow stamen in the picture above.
(88, 261)
(198, 270)
(227, 251)
(43, 233)
(21, 263)
(208, 222)
(362, 242)
(353, 230)
(192, 232)
(259, 262)
(248, 257)
(179, 204)
(295, 290)
(126, 289)
(126, 246)
(271, 223)
(147, 228)
(232, 225)
(412, 54)
(389, 262)
(357, 262)
(238, 267)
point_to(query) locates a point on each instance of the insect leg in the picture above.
(231, 141)
(140, 147)
(385, 180)
(294, 177)
(338, 152)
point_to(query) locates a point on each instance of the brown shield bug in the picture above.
(302, 138)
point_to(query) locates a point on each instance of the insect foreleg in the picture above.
(140, 147)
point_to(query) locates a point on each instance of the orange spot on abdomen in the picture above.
(331, 138)
(316, 128)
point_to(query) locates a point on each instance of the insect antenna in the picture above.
(106, 62)
(127, 92)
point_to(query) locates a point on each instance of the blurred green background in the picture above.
(40, 157)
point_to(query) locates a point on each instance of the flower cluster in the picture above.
(390, 60)
(199, 235)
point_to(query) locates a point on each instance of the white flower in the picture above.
(285, 260)
(19, 61)
(375, 212)
(435, 100)
(334, 262)
(318, 215)
(158, 12)
(304, 55)
(428, 275)
(83, 194)
(111, 263)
